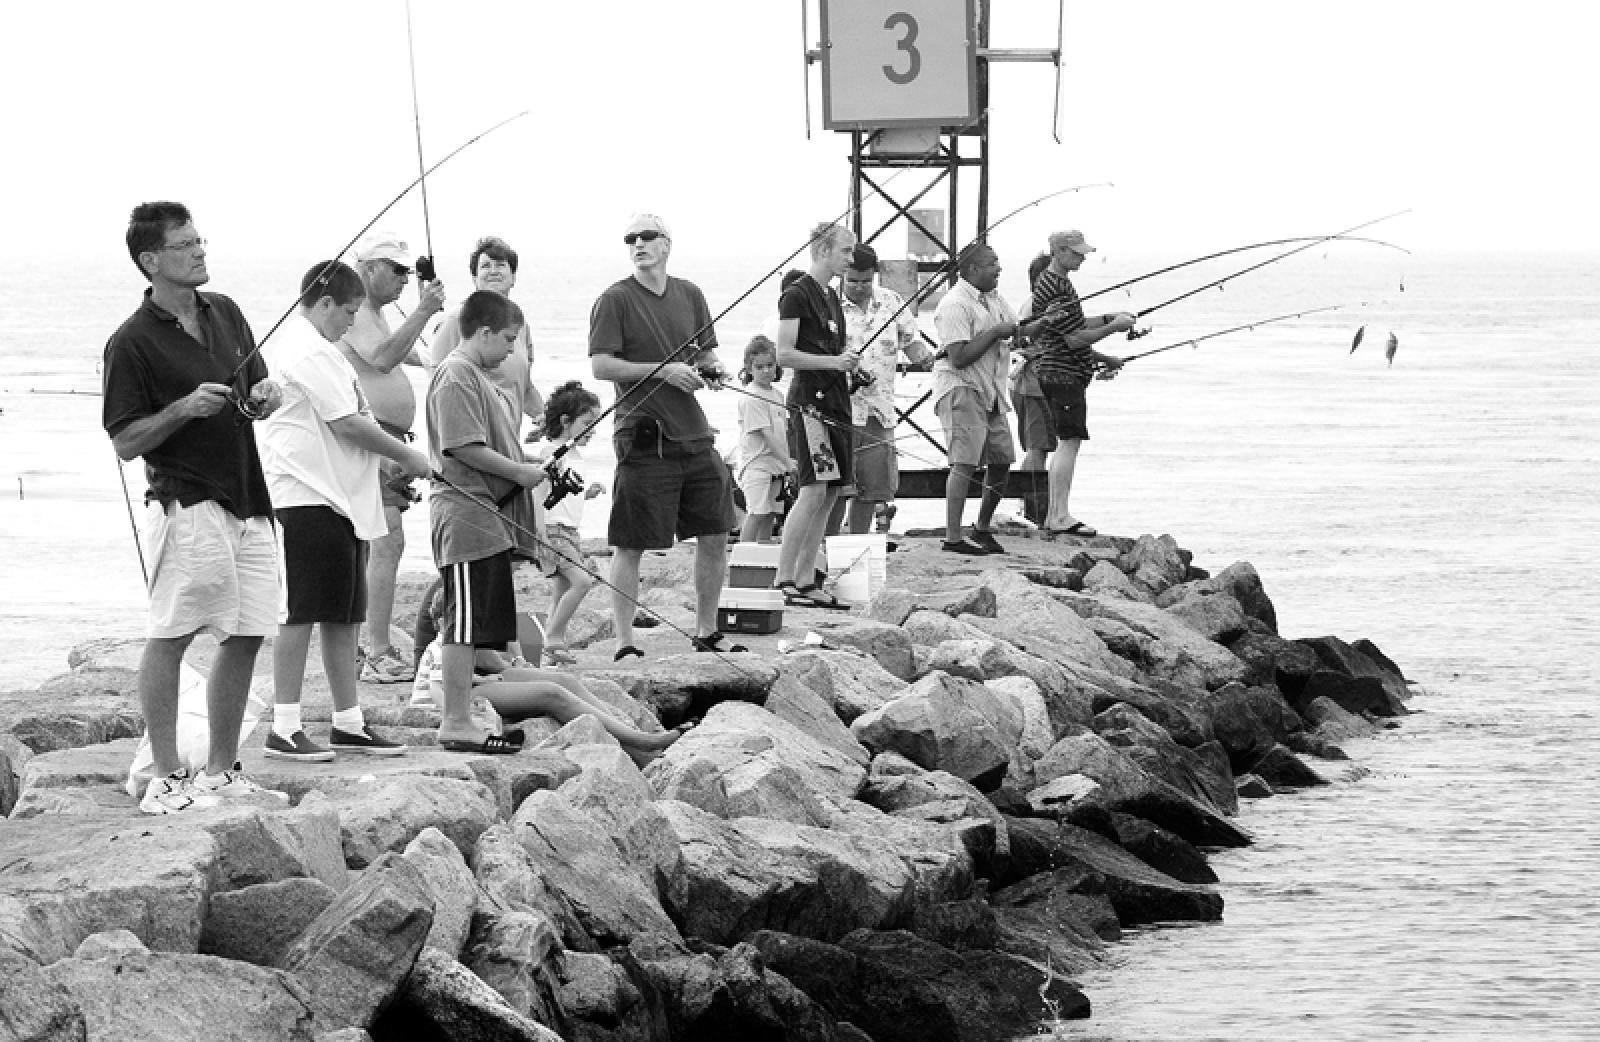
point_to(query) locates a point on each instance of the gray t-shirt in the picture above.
(466, 408)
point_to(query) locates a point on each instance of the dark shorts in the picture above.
(1069, 409)
(877, 468)
(664, 491)
(480, 603)
(324, 567)
(836, 440)
(1033, 423)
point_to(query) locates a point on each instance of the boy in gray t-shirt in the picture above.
(480, 512)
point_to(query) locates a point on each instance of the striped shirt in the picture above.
(1062, 357)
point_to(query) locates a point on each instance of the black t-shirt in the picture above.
(636, 325)
(150, 362)
(821, 332)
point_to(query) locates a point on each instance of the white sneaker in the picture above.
(174, 793)
(232, 784)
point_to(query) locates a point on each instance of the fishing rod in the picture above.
(424, 265)
(1193, 341)
(955, 258)
(717, 377)
(127, 501)
(1239, 249)
(68, 393)
(550, 547)
(1134, 334)
(244, 405)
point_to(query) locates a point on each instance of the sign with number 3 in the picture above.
(892, 63)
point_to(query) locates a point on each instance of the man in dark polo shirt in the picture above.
(670, 483)
(171, 396)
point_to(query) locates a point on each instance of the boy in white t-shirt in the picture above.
(320, 454)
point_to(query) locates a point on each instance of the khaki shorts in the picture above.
(974, 437)
(210, 571)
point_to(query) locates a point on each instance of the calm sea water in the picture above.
(1443, 507)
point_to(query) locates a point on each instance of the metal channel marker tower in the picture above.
(908, 80)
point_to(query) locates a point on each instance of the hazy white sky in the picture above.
(285, 126)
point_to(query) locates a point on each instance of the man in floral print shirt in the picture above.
(876, 326)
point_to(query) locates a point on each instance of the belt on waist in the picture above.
(397, 432)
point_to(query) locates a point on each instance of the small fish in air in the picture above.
(1357, 341)
(1391, 347)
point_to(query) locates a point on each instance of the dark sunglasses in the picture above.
(398, 268)
(646, 236)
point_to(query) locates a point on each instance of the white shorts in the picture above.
(761, 488)
(210, 571)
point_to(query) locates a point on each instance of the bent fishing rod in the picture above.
(1134, 334)
(558, 552)
(1238, 249)
(1196, 340)
(955, 258)
(718, 378)
(243, 362)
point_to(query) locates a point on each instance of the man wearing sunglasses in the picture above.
(651, 335)
(377, 352)
(181, 376)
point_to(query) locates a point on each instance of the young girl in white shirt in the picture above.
(763, 439)
(569, 417)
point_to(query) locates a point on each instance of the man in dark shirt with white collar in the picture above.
(182, 381)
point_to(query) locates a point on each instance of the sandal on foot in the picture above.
(791, 593)
(712, 642)
(626, 651)
(817, 597)
(491, 745)
(643, 620)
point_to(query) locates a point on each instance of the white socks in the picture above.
(285, 719)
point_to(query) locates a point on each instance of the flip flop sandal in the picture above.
(644, 621)
(817, 597)
(791, 594)
(712, 642)
(492, 745)
(559, 655)
(627, 651)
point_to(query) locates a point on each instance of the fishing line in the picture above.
(1193, 341)
(425, 272)
(357, 238)
(1134, 334)
(953, 263)
(556, 551)
(133, 524)
(1239, 249)
(694, 338)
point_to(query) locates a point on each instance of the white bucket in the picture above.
(854, 587)
(866, 555)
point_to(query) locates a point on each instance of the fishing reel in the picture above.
(1135, 334)
(564, 482)
(860, 378)
(713, 375)
(424, 270)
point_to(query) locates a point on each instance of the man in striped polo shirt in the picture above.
(1066, 363)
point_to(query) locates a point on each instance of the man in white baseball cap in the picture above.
(383, 260)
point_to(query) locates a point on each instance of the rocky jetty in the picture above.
(920, 820)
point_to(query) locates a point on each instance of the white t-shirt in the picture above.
(569, 511)
(305, 463)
